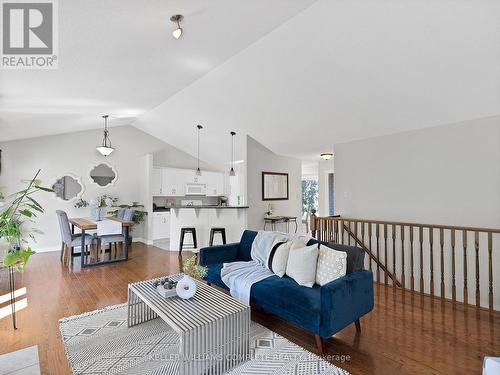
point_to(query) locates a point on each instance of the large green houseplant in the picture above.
(19, 208)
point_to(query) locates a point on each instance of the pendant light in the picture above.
(198, 170)
(177, 33)
(231, 171)
(105, 149)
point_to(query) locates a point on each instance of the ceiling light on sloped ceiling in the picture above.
(105, 148)
(326, 155)
(177, 33)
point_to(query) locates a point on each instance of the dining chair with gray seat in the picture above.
(111, 233)
(70, 240)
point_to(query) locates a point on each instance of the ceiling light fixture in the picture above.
(105, 149)
(177, 33)
(326, 155)
(231, 171)
(198, 170)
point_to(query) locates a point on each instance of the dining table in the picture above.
(273, 220)
(87, 224)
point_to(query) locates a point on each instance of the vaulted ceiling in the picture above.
(298, 76)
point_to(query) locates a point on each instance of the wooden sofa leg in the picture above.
(358, 325)
(319, 344)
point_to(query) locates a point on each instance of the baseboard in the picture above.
(58, 247)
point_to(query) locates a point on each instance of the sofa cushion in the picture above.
(245, 249)
(355, 256)
(302, 264)
(331, 265)
(213, 275)
(284, 297)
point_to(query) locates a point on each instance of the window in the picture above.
(309, 194)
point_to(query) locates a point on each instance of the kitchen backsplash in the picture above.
(177, 201)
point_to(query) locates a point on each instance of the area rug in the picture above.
(100, 342)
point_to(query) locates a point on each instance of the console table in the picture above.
(213, 327)
(273, 220)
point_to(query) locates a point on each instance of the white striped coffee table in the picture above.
(213, 327)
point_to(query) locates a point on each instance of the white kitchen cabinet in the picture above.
(156, 181)
(161, 225)
(172, 181)
(215, 183)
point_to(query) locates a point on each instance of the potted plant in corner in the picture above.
(20, 208)
(139, 214)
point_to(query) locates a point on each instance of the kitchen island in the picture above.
(203, 218)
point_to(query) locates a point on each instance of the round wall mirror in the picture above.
(67, 188)
(103, 175)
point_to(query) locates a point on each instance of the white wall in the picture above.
(445, 175)
(448, 174)
(260, 159)
(324, 168)
(75, 153)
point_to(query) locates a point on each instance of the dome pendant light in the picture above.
(198, 170)
(105, 149)
(231, 171)
(177, 33)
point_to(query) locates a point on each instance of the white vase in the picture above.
(97, 213)
(186, 287)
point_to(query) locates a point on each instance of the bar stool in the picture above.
(185, 230)
(221, 231)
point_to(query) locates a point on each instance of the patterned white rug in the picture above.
(99, 342)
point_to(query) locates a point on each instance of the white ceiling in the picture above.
(119, 57)
(334, 71)
(345, 70)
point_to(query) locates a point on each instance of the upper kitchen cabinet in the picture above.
(173, 182)
(156, 181)
(215, 183)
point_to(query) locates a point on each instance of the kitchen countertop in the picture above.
(210, 206)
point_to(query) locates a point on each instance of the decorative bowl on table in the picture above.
(165, 287)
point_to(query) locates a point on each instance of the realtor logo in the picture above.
(29, 34)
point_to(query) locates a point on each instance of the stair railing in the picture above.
(443, 261)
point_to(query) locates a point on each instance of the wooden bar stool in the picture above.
(222, 232)
(185, 230)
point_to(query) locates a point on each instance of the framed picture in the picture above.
(274, 186)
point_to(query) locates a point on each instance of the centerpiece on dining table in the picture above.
(99, 206)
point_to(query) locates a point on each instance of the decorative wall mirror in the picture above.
(67, 187)
(103, 175)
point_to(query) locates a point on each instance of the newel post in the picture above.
(314, 219)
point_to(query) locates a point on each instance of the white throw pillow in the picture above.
(298, 242)
(332, 264)
(280, 258)
(302, 264)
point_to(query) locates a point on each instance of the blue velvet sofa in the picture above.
(323, 310)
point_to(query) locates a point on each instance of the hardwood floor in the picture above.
(404, 334)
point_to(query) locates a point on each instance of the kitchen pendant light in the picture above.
(198, 170)
(105, 149)
(177, 33)
(231, 171)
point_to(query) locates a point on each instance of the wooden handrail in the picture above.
(441, 260)
(417, 225)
